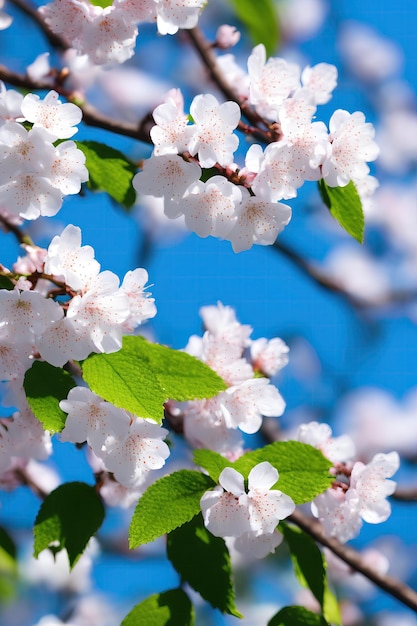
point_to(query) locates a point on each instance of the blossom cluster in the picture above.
(108, 35)
(245, 365)
(36, 172)
(249, 519)
(192, 166)
(359, 491)
(129, 446)
(90, 314)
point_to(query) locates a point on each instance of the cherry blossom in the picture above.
(172, 131)
(270, 356)
(257, 222)
(337, 449)
(172, 15)
(210, 207)
(214, 123)
(142, 450)
(227, 36)
(372, 485)
(167, 175)
(352, 143)
(245, 404)
(128, 446)
(270, 82)
(67, 259)
(51, 114)
(251, 517)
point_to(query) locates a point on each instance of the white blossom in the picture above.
(352, 145)
(258, 222)
(213, 137)
(50, 113)
(270, 82)
(251, 517)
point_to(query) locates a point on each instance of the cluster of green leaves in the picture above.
(138, 378)
(303, 474)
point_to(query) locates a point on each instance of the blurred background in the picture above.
(353, 347)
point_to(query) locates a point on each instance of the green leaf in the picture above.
(168, 503)
(68, 517)
(6, 283)
(8, 554)
(110, 171)
(345, 206)
(171, 608)
(297, 616)
(261, 20)
(303, 470)
(102, 3)
(142, 376)
(213, 462)
(310, 568)
(202, 560)
(45, 387)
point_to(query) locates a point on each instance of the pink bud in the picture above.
(227, 36)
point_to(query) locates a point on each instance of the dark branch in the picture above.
(391, 585)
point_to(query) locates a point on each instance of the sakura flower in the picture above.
(220, 320)
(258, 222)
(172, 15)
(371, 484)
(352, 143)
(68, 168)
(270, 82)
(142, 450)
(66, 258)
(339, 512)
(205, 427)
(210, 207)
(109, 37)
(229, 511)
(269, 356)
(320, 80)
(92, 419)
(337, 449)
(227, 36)
(280, 173)
(51, 114)
(10, 104)
(27, 314)
(213, 139)
(142, 307)
(166, 175)
(245, 404)
(101, 311)
(172, 132)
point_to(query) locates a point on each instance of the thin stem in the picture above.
(55, 40)
(91, 115)
(21, 236)
(391, 585)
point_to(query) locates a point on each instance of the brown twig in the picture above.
(391, 585)
(55, 40)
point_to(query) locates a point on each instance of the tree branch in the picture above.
(391, 585)
(91, 115)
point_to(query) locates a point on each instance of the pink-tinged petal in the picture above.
(232, 481)
(224, 516)
(262, 476)
(258, 546)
